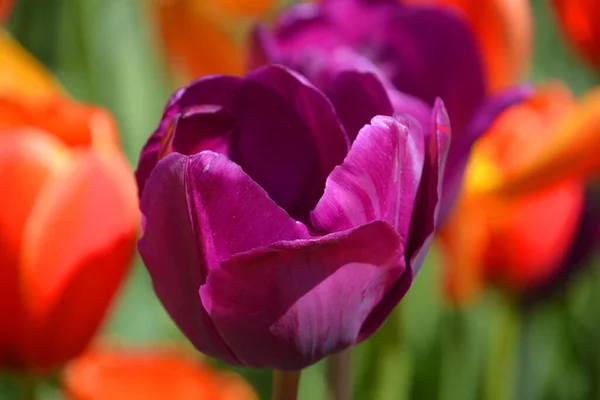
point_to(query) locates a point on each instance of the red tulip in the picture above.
(68, 217)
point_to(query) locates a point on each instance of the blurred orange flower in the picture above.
(580, 20)
(504, 30)
(515, 241)
(68, 216)
(207, 37)
(101, 375)
(5, 7)
(572, 150)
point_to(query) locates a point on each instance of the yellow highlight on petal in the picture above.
(482, 175)
(21, 73)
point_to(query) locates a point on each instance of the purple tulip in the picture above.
(273, 236)
(420, 53)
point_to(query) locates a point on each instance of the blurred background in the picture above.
(109, 53)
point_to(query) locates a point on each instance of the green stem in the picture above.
(501, 361)
(523, 365)
(26, 386)
(456, 373)
(285, 385)
(339, 376)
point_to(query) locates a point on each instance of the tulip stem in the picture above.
(285, 385)
(500, 374)
(26, 387)
(339, 372)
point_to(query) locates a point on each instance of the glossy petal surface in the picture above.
(199, 211)
(297, 302)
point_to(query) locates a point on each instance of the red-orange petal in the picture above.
(523, 133)
(196, 43)
(571, 153)
(5, 7)
(73, 123)
(137, 375)
(77, 246)
(532, 235)
(245, 7)
(28, 158)
(580, 20)
(463, 240)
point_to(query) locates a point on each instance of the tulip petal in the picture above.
(429, 197)
(195, 42)
(199, 210)
(571, 153)
(424, 215)
(210, 90)
(443, 62)
(378, 180)
(426, 52)
(298, 301)
(584, 248)
(203, 128)
(289, 137)
(77, 245)
(155, 374)
(5, 7)
(28, 158)
(458, 155)
(22, 74)
(346, 88)
(528, 257)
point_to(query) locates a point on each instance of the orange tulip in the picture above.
(573, 150)
(580, 20)
(206, 37)
(102, 375)
(68, 217)
(504, 31)
(5, 7)
(516, 242)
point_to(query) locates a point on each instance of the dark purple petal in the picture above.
(424, 52)
(460, 149)
(149, 153)
(216, 90)
(427, 205)
(357, 97)
(432, 53)
(200, 128)
(378, 179)
(210, 90)
(198, 211)
(289, 305)
(289, 138)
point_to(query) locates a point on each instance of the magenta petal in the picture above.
(203, 128)
(432, 53)
(289, 137)
(149, 153)
(357, 97)
(290, 304)
(378, 179)
(198, 211)
(406, 104)
(210, 90)
(425, 214)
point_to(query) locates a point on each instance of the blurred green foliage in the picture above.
(104, 51)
